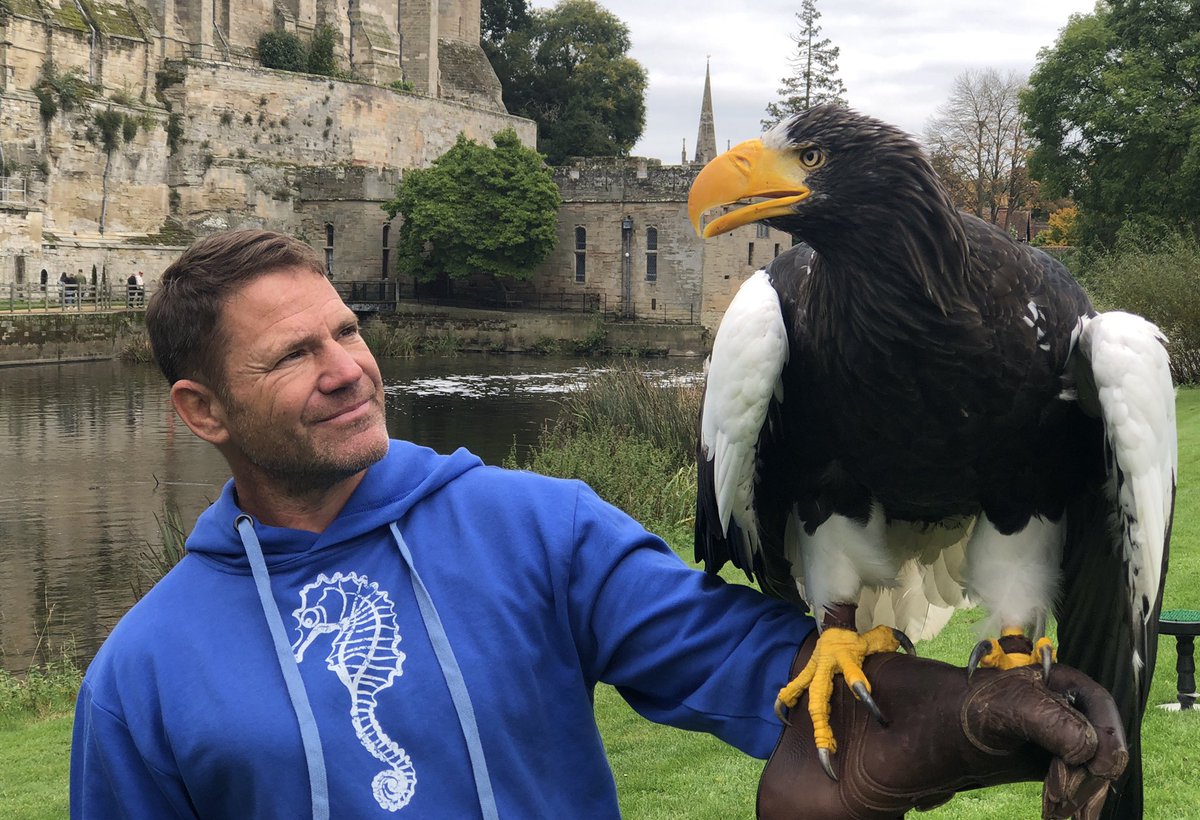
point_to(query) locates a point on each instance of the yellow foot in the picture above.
(989, 653)
(837, 650)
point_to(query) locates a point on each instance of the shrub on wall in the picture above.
(282, 50)
(320, 53)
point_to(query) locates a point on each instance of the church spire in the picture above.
(706, 139)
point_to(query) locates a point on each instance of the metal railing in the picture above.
(65, 296)
(383, 296)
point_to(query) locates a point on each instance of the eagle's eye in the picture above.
(812, 157)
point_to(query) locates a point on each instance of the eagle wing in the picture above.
(743, 383)
(1115, 556)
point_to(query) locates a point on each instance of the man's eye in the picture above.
(291, 357)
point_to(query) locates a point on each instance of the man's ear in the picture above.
(201, 410)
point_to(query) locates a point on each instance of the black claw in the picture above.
(781, 712)
(1047, 660)
(826, 763)
(860, 692)
(904, 642)
(977, 654)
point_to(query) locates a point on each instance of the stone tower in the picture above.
(706, 138)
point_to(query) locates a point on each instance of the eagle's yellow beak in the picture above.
(747, 170)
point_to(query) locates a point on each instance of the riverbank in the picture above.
(56, 337)
(49, 337)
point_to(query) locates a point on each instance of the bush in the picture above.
(282, 50)
(633, 440)
(1159, 280)
(44, 690)
(627, 400)
(320, 53)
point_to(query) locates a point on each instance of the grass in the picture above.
(662, 772)
(35, 740)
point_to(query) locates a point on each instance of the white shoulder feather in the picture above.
(748, 356)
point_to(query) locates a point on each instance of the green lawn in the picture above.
(667, 773)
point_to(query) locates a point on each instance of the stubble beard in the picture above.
(297, 465)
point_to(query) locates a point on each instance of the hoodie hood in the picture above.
(390, 488)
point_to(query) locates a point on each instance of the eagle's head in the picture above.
(817, 175)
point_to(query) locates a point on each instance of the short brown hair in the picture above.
(183, 316)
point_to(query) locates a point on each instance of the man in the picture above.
(363, 627)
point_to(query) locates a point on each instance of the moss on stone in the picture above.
(66, 15)
(144, 19)
(171, 233)
(113, 19)
(23, 8)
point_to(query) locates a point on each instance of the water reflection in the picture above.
(91, 453)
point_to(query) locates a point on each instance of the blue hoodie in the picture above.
(540, 590)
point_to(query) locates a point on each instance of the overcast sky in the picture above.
(898, 59)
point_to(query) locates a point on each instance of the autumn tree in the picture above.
(815, 71)
(568, 68)
(1114, 111)
(476, 210)
(977, 144)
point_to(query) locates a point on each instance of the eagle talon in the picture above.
(904, 641)
(826, 763)
(981, 650)
(1047, 661)
(864, 696)
(781, 712)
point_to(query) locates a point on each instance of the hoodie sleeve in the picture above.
(109, 776)
(682, 647)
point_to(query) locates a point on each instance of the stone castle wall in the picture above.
(219, 141)
(696, 279)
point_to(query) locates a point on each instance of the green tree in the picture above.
(111, 128)
(568, 69)
(815, 79)
(1114, 109)
(500, 18)
(282, 50)
(476, 210)
(321, 59)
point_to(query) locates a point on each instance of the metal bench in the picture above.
(1184, 624)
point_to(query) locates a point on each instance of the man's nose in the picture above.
(339, 368)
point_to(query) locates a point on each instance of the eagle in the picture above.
(911, 411)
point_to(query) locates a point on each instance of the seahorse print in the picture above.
(366, 657)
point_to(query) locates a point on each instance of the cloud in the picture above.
(898, 61)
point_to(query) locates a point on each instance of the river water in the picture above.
(91, 454)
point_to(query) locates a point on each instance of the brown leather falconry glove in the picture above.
(947, 735)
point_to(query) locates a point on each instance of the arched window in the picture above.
(652, 254)
(329, 249)
(387, 250)
(580, 254)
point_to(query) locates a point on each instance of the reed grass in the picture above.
(624, 399)
(137, 349)
(390, 342)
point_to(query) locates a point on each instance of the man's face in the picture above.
(303, 399)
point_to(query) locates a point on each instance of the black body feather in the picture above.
(915, 380)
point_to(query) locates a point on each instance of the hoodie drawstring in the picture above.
(457, 685)
(459, 694)
(313, 756)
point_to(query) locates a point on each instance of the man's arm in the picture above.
(109, 776)
(946, 734)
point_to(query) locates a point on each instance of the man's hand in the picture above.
(946, 735)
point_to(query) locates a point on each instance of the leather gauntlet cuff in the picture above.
(945, 735)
